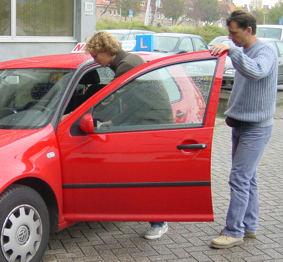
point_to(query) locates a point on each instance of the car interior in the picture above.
(88, 86)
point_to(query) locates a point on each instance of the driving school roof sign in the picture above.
(144, 43)
(79, 48)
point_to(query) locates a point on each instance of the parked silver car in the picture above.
(178, 43)
(229, 71)
(128, 36)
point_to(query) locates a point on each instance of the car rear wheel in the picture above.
(24, 225)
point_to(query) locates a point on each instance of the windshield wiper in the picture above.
(161, 51)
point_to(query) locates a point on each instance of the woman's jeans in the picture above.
(248, 144)
(157, 224)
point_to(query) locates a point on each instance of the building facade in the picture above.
(44, 27)
(255, 4)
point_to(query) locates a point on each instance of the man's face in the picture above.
(103, 58)
(238, 35)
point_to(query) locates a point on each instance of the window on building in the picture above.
(5, 17)
(142, 3)
(36, 18)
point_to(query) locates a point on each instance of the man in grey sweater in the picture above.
(251, 107)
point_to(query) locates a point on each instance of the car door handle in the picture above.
(191, 146)
(180, 114)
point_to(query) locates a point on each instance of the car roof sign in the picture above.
(79, 48)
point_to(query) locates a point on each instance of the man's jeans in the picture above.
(248, 144)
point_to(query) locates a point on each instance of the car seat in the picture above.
(87, 87)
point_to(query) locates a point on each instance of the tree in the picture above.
(4, 18)
(126, 5)
(111, 2)
(224, 9)
(202, 10)
(274, 14)
(173, 10)
(259, 15)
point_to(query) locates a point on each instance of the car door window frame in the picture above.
(159, 126)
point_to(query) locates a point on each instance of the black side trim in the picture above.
(149, 184)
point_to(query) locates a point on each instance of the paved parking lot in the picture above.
(122, 241)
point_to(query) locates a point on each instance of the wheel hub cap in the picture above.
(22, 235)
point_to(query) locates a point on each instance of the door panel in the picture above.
(131, 167)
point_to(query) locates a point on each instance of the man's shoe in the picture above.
(250, 235)
(224, 241)
(156, 232)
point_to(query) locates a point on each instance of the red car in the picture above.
(61, 164)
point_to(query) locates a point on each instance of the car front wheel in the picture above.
(24, 225)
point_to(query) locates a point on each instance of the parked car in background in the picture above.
(278, 45)
(270, 31)
(220, 39)
(229, 71)
(128, 36)
(178, 43)
(60, 165)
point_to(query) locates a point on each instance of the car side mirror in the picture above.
(86, 124)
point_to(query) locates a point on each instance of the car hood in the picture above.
(19, 143)
(8, 137)
(27, 152)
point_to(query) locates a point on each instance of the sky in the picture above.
(264, 2)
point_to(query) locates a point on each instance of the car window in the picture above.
(216, 40)
(268, 32)
(89, 84)
(280, 47)
(186, 45)
(106, 75)
(199, 44)
(29, 97)
(120, 36)
(171, 87)
(165, 43)
(128, 35)
(168, 97)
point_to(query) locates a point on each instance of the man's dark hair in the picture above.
(243, 20)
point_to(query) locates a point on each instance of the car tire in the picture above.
(24, 225)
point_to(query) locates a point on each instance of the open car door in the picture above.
(140, 148)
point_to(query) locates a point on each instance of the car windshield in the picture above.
(123, 37)
(165, 43)
(29, 97)
(268, 32)
(218, 40)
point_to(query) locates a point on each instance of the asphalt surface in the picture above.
(123, 241)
